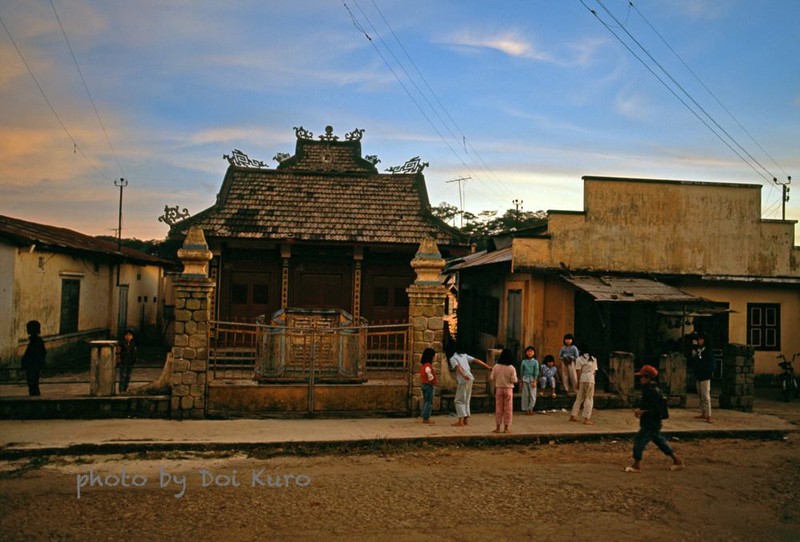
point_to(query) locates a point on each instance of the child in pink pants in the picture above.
(504, 376)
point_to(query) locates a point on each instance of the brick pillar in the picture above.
(193, 293)
(737, 378)
(426, 297)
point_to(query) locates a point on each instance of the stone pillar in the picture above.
(103, 368)
(620, 373)
(426, 297)
(737, 378)
(193, 292)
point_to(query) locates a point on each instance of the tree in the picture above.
(485, 224)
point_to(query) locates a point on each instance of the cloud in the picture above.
(508, 43)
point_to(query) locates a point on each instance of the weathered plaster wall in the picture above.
(144, 288)
(38, 287)
(8, 326)
(666, 227)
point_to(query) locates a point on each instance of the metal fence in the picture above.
(239, 351)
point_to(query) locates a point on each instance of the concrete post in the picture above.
(673, 376)
(620, 373)
(193, 292)
(103, 368)
(426, 297)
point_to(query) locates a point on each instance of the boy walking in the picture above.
(649, 414)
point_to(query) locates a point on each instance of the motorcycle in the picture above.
(788, 382)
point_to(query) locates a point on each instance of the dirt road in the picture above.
(730, 490)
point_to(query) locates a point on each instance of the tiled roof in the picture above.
(23, 233)
(325, 193)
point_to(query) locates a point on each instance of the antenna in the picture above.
(460, 196)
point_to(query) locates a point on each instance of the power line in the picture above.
(416, 102)
(85, 86)
(670, 89)
(730, 114)
(76, 148)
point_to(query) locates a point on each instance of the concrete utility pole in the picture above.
(460, 196)
(517, 203)
(121, 183)
(785, 196)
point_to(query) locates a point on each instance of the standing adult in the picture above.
(504, 376)
(427, 378)
(34, 356)
(586, 367)
(703, 367)
(464, 379)
(649, 414)
(567, 355)
(529, 374)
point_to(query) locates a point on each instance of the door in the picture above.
(514, 322)
(122, 318)
(249, 295)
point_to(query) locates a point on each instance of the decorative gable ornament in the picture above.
(413, 165)
(240, 159)
(372, 159)
(172, 215)
(281, 156)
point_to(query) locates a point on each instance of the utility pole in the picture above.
(785, 197)
(517, 203)
(121, 183)
(460, 196)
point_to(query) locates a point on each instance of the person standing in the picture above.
(703, 367)
(464, 378)
(128, 355)
(568, 354)
(504, 376)
(529, 373)
(34, 357)
(428, 381)
(650, 415)
(586, 367)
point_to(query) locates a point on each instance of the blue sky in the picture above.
(523, 96)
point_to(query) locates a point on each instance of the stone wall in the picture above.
(737, 378)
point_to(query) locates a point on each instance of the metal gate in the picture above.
(309, 347)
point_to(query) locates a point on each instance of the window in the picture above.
(764, 326)
(70, 301)
(239, 294)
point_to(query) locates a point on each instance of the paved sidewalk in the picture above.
(19, 438)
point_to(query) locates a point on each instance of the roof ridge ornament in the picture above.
(302, 133)
(172, 215)
(355, 135)
(238, 158)
(329, 134)
(413, 165)
(281, 157)
(372, 159)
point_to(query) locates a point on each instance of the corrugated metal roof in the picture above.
(482, 258)
(630, 289)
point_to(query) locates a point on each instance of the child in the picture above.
(127, 358)
(568, 354)
(548, 372)
(529, 371)
(586, 367)
(34, 356)
(649, 415)
(427, 380)
(460, 362)
(504, 376)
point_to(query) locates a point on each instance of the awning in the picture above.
(631, 290)
(481, 258)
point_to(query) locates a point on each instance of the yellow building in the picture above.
(645, 263)
(79, 287)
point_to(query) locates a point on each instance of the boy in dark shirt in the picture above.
(649, 415)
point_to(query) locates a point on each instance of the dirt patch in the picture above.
(730, 490)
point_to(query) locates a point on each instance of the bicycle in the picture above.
(788, 381)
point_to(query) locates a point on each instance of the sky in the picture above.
(522, 97)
